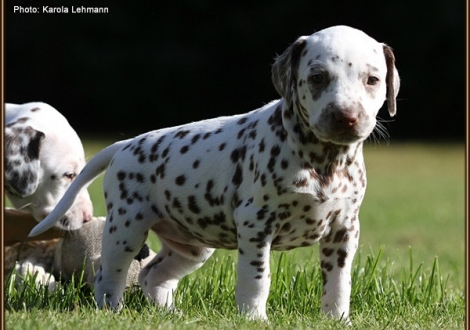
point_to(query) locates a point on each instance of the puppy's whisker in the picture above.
(380, 131)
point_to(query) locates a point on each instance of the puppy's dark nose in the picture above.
(346, 118)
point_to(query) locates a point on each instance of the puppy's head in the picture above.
(336, 80)
(39, 167)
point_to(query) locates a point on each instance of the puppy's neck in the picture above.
(312, 153)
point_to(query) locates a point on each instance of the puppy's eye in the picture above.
(372, 80)
(70, 175)
(317, 78)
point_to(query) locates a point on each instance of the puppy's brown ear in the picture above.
(22, 146)
(393, 81)
(284, 70)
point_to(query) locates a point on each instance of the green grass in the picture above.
(408, 273)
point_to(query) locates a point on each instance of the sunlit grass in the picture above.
(416, 299)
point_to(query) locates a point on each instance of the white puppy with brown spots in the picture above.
(287, 175)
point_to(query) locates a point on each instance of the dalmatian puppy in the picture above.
(287, 175)
(43, 155)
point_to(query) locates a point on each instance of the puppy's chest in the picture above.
(311, 217)
(313, 204)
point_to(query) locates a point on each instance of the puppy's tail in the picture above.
(93, 168)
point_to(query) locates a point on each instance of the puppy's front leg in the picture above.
(337, 252)
(253, 273)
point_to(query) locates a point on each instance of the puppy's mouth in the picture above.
(341, 136)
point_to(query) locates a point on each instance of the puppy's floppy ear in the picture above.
(284, 70)
(22, 145)
(393, 81)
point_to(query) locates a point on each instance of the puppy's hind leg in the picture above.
(122, 241)
(160, 277)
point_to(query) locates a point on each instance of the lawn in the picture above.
(408, 274)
